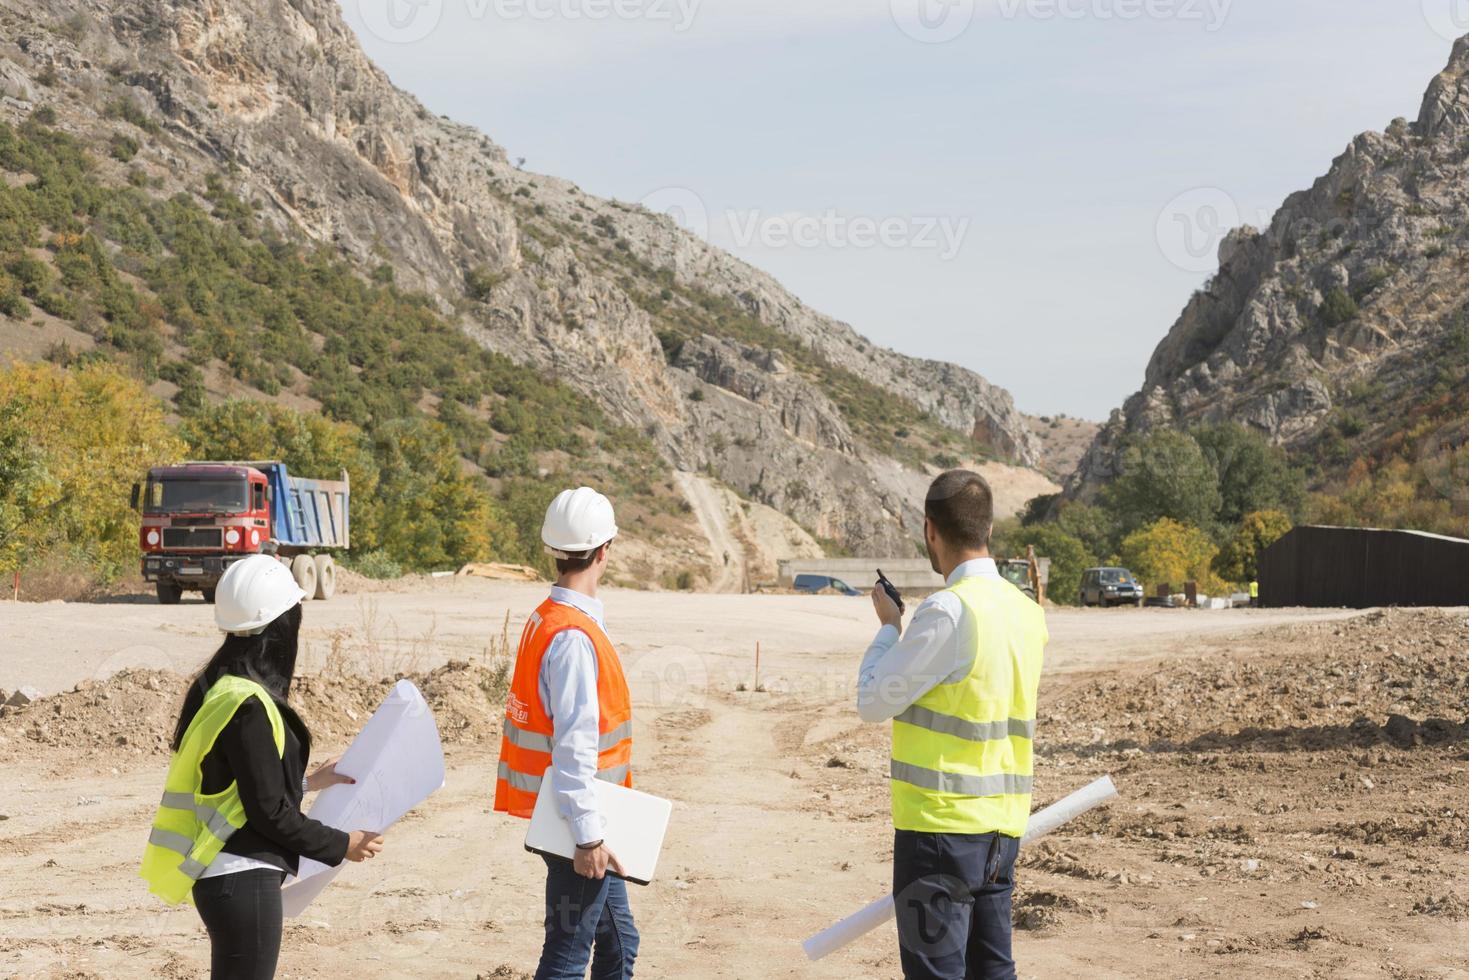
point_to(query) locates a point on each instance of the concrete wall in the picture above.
(910, 575)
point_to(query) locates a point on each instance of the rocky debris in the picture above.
(1449, 906)
(22, 697)
(1043, 910)
(1382, 236)
(1389, 679)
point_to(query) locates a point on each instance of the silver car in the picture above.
(1110, 587)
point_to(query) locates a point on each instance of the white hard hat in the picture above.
(252, 593)
(577, 522)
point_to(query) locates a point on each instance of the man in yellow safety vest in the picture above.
(959, 686)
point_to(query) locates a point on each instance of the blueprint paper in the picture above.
(398, 763)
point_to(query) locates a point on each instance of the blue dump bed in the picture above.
(307, 513)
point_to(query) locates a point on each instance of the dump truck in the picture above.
(199, 518)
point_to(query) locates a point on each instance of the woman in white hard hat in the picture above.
(230, 827)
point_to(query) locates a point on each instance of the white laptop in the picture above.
(635, 826)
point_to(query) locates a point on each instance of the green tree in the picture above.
(1253, 475)
(434, 515)
(1238, 561)
(1164, 474)
(1167, 551)
(1095, 527)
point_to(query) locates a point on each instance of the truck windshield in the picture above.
(1016, 574)
(1113, 576)
(196, 496)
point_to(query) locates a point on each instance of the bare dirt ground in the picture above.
(1293, 791)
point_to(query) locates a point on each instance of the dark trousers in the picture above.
(242, 913)
(586, 919)
(952, 893)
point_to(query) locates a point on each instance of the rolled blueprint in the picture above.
(855, 926)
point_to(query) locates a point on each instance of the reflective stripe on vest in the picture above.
(962, 754)
(525, 747)
(190, 828)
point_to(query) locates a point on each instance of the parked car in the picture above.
(812, 584)
(1110, 587)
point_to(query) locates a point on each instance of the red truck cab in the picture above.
(198, 519)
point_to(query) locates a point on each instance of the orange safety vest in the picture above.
(525, 748)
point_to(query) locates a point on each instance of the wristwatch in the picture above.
(589, 847)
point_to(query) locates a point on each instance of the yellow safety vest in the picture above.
(962, 754)
(1254, 590)
(191, 828)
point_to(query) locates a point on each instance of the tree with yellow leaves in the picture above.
(72, 443)
(1238, 561)
(1167, 551)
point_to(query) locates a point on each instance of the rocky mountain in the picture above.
(1341, 324)
(727, 373)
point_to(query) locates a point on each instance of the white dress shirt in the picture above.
(568, 689)
(937, 648)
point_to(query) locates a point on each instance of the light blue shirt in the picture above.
(937, 648)
(568, 689)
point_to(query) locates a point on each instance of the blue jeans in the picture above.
(586, 919)
(952, 893)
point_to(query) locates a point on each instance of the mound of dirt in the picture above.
(1450, 906)
(1046, 910)
(1394, 677)
(134, 711)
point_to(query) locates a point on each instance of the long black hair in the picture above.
(267, 658)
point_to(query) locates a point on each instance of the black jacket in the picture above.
(275, 831)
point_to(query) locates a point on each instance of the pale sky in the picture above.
(1029, 188)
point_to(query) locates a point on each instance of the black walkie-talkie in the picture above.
(891, 590)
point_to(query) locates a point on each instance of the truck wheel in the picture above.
(326, 576)
(208, 596)
(169, 593)
(303, 568)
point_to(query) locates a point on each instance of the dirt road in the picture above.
(781, 821)
(726, 552)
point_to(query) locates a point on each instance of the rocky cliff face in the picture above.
(1331, 318)
(723, 368)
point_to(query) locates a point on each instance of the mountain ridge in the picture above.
(1333, 331)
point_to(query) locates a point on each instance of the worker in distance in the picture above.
(959, 686)
(568, 719)
(230, 827)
